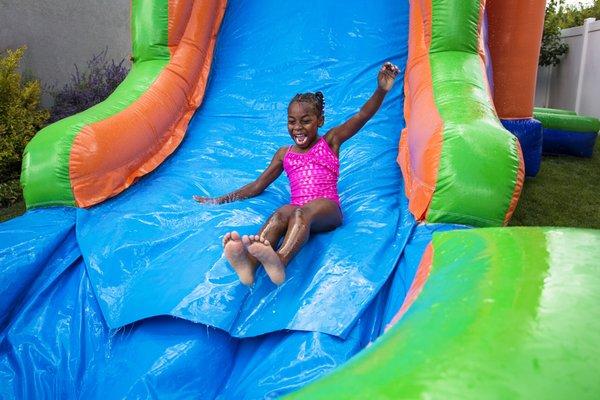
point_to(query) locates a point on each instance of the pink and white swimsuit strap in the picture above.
(313, 175)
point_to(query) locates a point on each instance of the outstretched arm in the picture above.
(254, 188)
(385, 80)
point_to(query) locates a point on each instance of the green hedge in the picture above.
(20, 118)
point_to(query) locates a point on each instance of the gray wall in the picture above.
(61, 33)
(557, 86)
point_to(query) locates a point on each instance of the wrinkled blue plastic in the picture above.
(58, 346)
(26, 244)
(529, 133)
(152, 253)
(164, 254)
(559, 142)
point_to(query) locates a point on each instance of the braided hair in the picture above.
(316, 100)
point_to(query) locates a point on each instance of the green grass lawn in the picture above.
(566, 192)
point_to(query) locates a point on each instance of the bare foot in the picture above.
(261, 249)
(238, 257)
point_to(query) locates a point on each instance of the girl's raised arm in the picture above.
(254, 188)
(385, 80)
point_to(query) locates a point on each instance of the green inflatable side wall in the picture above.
(45, 171)
(507, 313)
(480, 160)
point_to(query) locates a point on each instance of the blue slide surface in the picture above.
(133, 297)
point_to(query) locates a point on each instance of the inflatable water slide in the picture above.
(113, 283)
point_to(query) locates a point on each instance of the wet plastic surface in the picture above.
(409, 262)
(163, 255)
(505, 313)
(26, 244)
(154, 251)
(58, 344)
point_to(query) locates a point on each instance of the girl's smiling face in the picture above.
(303, 123)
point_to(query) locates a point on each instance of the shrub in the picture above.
(574, 15)
(20, 118)
(10, 193)
(553, 48)
(87, 88)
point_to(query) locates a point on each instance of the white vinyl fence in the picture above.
(575, 83)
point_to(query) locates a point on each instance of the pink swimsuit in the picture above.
(313, 175)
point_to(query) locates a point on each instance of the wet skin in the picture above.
(303, 123)
(294, 223)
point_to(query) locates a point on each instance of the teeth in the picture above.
(300, 139)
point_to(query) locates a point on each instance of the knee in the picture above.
(299, 215)
(279, 218)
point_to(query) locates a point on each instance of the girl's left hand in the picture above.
(387, 75)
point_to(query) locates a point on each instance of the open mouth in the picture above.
(300, 139)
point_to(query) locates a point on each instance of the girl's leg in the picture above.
(277, 224)
(320, 215)
(243, 262)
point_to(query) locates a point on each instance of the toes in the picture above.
(235, 235)
(226, 238)
(278, 279)
(247, 280)
(246, 240)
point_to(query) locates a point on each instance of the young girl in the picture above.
(312, 166)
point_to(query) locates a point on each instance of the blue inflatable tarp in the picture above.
(133, 297)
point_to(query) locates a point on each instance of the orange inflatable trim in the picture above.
(135, 141)
(421, 276)
(515, 33)
(419, 160)
(459, 164)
